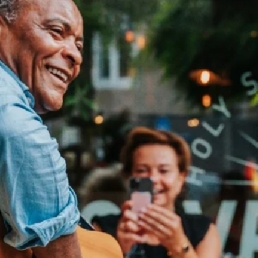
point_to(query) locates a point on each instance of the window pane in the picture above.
(104, 61)
(124, 49)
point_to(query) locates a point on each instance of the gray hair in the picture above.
(8, 9)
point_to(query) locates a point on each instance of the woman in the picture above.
(162, 227)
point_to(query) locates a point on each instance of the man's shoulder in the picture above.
(8, 85)
(15, 112)
(10, 90)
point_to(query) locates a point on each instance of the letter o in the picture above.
(203, 154)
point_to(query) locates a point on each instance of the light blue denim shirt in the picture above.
(36, 201)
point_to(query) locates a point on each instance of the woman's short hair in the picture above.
(140, 136)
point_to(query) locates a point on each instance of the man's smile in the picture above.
(60, 73)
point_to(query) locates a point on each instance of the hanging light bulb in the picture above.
(99, 119)
(129, 36)
(141, 41)
(205, 77)
(206, 100)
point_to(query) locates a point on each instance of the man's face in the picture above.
(45, 52)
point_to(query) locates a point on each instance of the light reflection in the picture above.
(99, 119)
(193, 122)
(205, 77)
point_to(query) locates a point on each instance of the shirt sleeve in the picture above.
(36, 201)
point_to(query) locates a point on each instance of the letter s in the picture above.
(249, 83)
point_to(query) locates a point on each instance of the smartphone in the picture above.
(141, 192)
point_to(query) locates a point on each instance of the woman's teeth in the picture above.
(158, 191)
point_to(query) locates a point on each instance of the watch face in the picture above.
(185, 249)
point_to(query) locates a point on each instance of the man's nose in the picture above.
(72, 53)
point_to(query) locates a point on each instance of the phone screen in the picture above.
(141, 192)
(140, 200)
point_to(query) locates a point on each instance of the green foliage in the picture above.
(78, 101)
(254, 100)
(78, 104)
(109, 17)
(184, 37)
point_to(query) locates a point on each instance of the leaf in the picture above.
(254, 100)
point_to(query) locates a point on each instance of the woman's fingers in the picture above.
(127, 205)
(128, 226)
(132, 237)
(129, 215)
(128, 222)
(161, 212)
(160, 216)
(149, 223)
(164, 224)
(127, 240)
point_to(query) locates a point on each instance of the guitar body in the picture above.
(94, 244)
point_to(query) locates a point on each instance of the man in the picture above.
(40, 54)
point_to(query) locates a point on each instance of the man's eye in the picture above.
(57, 30)
(79, 47)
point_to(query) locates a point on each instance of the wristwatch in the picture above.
(184, 250)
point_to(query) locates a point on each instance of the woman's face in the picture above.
(160, 163)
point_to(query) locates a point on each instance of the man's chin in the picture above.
(45, 108)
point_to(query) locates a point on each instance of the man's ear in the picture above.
(3, 24)
(2, 21)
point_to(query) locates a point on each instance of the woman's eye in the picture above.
(164, 171)
(140, 171)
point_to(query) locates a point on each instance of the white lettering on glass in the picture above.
(249, 83)
(194, 173)
(215, 132)
(249, 139)
(225, 218)
(249, 243)
(201, 148)
(221, 107)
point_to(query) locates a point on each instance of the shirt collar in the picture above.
(23, 86)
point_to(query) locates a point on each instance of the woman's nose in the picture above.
(155, 177)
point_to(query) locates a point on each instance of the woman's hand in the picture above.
(128, 229)
(165, 225)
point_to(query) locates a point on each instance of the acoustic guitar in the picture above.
(94, 244)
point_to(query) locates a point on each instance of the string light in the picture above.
(206, 100)
(205, 77)
(99, 119)
(193, 122)
(129, 36)
(141, 41)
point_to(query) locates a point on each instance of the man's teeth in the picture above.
(59, 73)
